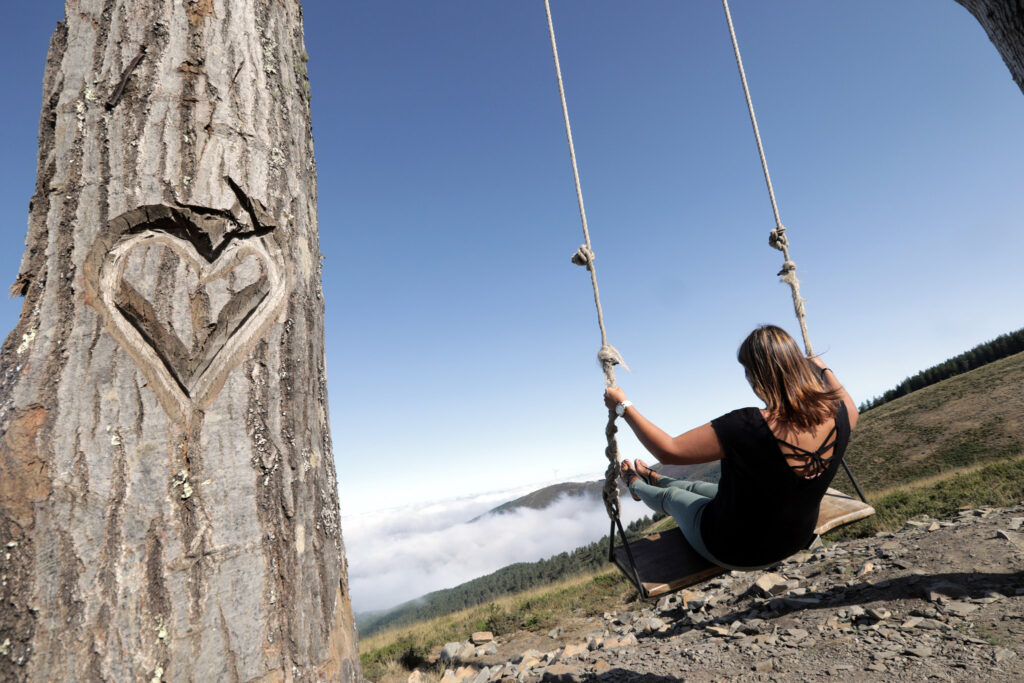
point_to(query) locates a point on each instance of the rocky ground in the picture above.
(937, 600)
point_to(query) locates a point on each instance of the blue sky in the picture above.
(461, 341)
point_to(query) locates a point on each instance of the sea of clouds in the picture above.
(400, 554)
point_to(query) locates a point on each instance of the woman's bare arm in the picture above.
(832, 382)
(689, 448)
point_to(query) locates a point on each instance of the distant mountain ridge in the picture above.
(545, 497)
(542, 498)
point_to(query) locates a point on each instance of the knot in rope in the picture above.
(787, 267)
(777, 238)
(584, 256)
(609, 357)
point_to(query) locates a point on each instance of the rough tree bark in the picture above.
(1003, 21)
(168, 502)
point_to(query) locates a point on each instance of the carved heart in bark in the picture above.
(188, 379)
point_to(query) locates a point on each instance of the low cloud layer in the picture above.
(398, 555)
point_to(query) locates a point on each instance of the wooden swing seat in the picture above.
(665, 562)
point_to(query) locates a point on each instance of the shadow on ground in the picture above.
(610, 676)
(953, 585)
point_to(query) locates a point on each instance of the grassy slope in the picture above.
(996, 484)
(966, 420)
(956, 443)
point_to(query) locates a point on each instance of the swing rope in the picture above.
(608, 356)
(777, 237)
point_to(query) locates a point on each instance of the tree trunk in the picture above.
(1003, 21)
(168, 501)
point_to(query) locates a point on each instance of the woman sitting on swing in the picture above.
(777, 461)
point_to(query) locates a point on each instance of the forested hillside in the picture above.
(1002, 346)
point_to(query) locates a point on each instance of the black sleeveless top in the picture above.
(765, 510)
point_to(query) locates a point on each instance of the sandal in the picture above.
(629, 475)
(646, 474)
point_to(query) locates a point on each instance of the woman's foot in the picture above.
(646, 473)
(629, 476)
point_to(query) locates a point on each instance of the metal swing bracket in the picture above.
(631, 571)
(853, 481)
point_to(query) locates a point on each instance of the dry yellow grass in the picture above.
(933, 480)
(461, 621)
(388, 653)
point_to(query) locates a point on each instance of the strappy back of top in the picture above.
(817, 462)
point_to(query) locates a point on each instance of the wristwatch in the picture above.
(620, 408)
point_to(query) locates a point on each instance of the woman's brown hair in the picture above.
(788, 383)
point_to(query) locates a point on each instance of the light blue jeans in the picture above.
(685, 501)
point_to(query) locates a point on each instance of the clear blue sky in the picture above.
(461, 341)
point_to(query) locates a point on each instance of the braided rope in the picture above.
(608, 356)
(777, 237)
